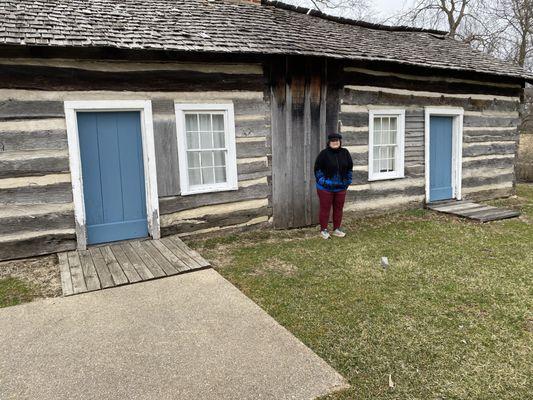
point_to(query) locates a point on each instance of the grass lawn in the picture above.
(14, 291)
(451, 318)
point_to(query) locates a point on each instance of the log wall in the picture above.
(35, 187)
(36, 212)
(489, 137)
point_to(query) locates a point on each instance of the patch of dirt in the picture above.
(219, 257)
(40, 272)
(275, 265)
(529, 325)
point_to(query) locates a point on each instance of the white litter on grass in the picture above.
(391, 383)
(384, 262)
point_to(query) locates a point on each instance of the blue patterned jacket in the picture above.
(337, 184)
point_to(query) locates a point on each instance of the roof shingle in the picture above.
(231, 26)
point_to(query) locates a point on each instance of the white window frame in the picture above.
(150, 172)
(400, 140)
(231, 157)
(457, 113)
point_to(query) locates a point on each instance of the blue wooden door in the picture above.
(440, 158)
(113, 175)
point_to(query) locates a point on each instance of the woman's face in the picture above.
(335, 143)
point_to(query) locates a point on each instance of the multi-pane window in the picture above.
(207, 148)
(386, 144)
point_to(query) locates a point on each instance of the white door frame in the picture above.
(150, 174)
(457, 146)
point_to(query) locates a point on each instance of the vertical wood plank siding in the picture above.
(489, 137)
(34, 172)
(299, 115)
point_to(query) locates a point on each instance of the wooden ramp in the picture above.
(127, 262)
(471, 210)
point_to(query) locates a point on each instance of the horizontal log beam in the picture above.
(475, 181)
(438, 84)
(361, 97)
(252, 149)
(21, 246)
(32, 163)
(53, 193)
(57, 78)
(169, 205)
(475, 164)
(59, 218)
(32, 140)
(430, 94)
(215, 220)
(477, 149)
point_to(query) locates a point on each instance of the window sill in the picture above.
(209, 190)
(385, 178)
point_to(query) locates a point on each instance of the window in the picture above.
(206, 147)
(386, 144)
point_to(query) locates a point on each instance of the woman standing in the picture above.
(333, 173)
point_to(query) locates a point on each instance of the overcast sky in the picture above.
(381, 9)
(389, 7)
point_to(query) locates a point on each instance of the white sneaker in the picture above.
(337, 232)
(325, 234)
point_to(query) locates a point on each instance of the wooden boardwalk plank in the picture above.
(191, 263)
(187, 258)
(474, 211)
(137, 263)
(114, 267)
(89, 271)
(122, 263)
(125, 264)
(158, 257)
(104, 275)
(170, 256)
(147, 259)
(471, 210)
(491, 214)
(190, 252)
(66, 280)
(78, 281)
(449, 207)
(504, 214)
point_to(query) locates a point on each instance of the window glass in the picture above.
(208, 176)
(205, 137)
(385, 151)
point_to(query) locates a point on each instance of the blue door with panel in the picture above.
(113, 175)
(440, 158)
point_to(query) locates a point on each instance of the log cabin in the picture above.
(141, 118)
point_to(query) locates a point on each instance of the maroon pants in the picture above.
(328, 199)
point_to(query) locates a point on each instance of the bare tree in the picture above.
(358, 9)
(449, 15)
(516, 18)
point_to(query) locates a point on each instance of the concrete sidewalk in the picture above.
(192, 336)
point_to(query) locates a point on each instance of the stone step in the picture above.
(32, 162)
(29, 244)
(35, 217)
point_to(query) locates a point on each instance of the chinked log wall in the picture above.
(36, 210)
(489, 137)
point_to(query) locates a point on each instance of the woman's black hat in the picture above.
(333, 136)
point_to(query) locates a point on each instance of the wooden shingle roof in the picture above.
(232, 26)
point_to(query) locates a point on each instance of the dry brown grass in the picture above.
(41, 273)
